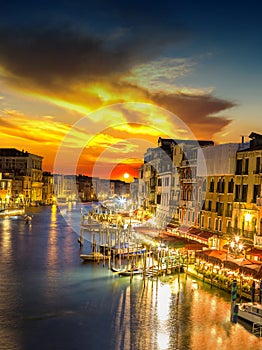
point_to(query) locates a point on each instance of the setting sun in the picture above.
(126, 175)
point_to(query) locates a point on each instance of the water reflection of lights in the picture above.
(6, 237)
(175, 287)
(122, 321)
(163, 340)
(163, 302)
(53, 213)
(52, 244)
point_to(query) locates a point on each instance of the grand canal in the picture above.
(49, 299)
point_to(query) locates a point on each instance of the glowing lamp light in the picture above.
(247, 217)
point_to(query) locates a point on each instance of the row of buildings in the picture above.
(24, 183)
(196, 186)
(184, 184)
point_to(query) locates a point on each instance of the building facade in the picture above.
(25, 171)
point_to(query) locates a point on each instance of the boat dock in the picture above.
(156, 270)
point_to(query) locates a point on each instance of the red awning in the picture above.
(183, 229)
(255, 252)
(206, 235)
(195, 246)
(171, 226)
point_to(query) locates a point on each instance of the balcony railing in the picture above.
(189, 180)
(174, 202)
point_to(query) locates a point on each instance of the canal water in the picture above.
(49, 299)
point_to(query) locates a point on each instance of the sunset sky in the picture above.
(90, 85)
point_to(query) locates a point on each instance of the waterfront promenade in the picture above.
(216, 268)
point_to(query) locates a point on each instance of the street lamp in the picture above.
(236, 247)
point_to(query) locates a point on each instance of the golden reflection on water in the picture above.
(6, 238)
(163, 316)
(168, 316)
(52, 256)
(9, 335)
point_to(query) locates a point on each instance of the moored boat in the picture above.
(94, 256)
(27, 219)
(11, 212)
(128, 249)
(251, 312)
(128, 272)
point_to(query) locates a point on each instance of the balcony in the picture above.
(174, 202)
(184, 163)
(189, 180)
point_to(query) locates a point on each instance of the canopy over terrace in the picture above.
(199, 235)
(254, 253)
(215, 257)
(178, 242)
(221, 258)
(254, 270)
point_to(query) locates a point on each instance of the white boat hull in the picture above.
(250, 312)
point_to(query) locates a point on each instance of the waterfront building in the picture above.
(190, 185)
(247, 219)
(121, 188)
(85, 188)
(165, 176)
(156, 180)
(48, 189)
(105, 189)
(215, 191)
(134, 194)
(59, 187)
(25, 169)
(163, 192)
(70, 188)
(5, 192)
(217, 209)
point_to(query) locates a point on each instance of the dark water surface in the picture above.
(49, 299)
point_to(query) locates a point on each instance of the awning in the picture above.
(251, 269)
(183, 229)
(198, 234)
(206, 235)
(195, 246)
(171, 226)
(213, 256)
(255, 252)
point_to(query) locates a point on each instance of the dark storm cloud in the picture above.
(66, 42)
(198, 112)
(54, 45)
(56, 55)
(194, 108)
